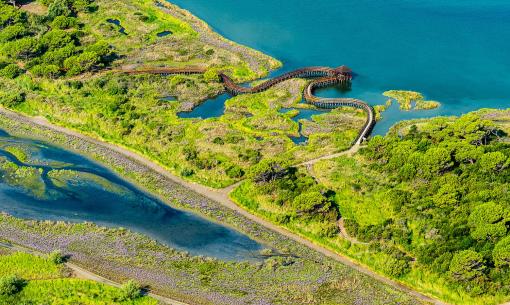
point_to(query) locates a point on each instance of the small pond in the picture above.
(211, 108)
(304, 114)
(122, 30)
(164, 33)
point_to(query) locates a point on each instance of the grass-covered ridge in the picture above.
(427, 205)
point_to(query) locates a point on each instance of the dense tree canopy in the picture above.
(449, 187)
(50, 46)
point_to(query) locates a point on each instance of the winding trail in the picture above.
(222, 197)
(322, 77)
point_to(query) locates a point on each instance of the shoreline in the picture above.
(218, 198)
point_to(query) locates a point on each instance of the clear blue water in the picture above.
(209, 109)
(100, 196)
(164, 33)
(453, 51)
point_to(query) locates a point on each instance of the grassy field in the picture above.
(42, 281)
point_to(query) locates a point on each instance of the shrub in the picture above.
(218, 141)
(235, 171)
(395, 267)
(187, 172)
(56, 257)
(13, 99)
(131, 290)
(63, 22)
(12, 32)
(328, 229)
(466, 265)
(10, 285)
(51, 71)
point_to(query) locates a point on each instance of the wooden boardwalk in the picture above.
(322, 77)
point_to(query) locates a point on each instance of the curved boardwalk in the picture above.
(323, 77)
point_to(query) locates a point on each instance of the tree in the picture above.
(10, 285)
(58, 56)
(268, 171)
(466, 265)
(488, 221)
(10, 15)
(63, 22)
(493, 161)
(56, 39)
(468, 153)
(59, 8)
(501, 252)
(13, 32)
(51, 71)
(81, 63)
(11, 71)
(22, 48)
(310, 201)
(101, 48)
(436, 161)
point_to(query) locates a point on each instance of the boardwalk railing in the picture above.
(323, 77)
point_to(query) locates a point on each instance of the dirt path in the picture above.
(80, 273)
(221, 196)
(351, 151)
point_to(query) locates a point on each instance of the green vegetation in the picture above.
(290, 274)
(426, 205)
(27, 178)
(426, 105)
(54, 66)
(289, 197)
(29, 279)
(29, 266)
(406, 98)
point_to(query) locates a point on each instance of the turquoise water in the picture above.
(209, 109)
(95, 194)
(304, 114)
(452, 51)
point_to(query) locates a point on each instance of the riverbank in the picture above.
(310, 268)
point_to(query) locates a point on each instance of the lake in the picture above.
(455, 51)
(70, 187)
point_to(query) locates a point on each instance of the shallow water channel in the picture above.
(44, 182)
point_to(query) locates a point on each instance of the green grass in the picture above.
(29, 266)
(46, 284)
(71, 291)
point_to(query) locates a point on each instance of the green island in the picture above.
(406, 99)
(424, 206)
